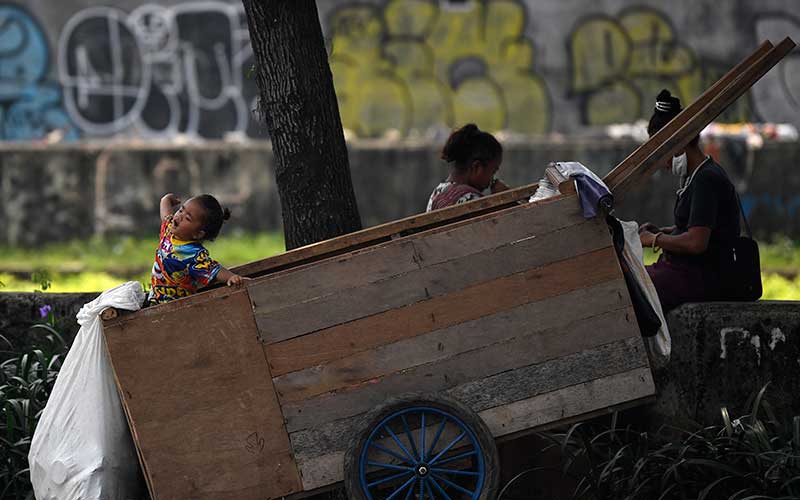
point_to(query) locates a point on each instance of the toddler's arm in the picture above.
(229, 278)
(169, 203)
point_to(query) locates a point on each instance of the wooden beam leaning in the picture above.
(666, 132)
(384, 232)
(698, 121)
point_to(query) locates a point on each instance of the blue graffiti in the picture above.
(30, 105)
(778, 204)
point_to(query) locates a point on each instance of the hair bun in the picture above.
(666, 103)
(226, 213)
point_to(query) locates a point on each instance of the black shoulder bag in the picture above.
(740, 266)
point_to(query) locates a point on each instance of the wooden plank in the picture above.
(531, 380)
(440, 312)
(572, 400)
(205, 415)
(431, 281)
(643, 151)
(701, 119)
(369, 265)
(484, 362)
(383, 232)
(447, 342)
(564, 185)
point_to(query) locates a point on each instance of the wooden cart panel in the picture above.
(197, 386)
(513, 313)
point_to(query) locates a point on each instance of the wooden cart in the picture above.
(391, 358)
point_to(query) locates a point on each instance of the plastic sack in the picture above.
(658, 346)
(82, 447)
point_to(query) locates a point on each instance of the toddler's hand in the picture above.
(171, 198)
(237, 280)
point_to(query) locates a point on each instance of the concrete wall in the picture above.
(76, 191)
(402, 67)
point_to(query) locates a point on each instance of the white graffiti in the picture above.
(158, 70)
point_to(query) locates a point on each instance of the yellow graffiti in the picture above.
(412, 66)
(619, 65)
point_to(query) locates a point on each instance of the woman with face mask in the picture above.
(706, 221)
(474, 157)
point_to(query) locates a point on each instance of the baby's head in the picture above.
(199, 218)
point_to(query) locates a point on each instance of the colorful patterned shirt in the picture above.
(450, 193)
(181, 267)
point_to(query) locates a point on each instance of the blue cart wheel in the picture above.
(422, 447)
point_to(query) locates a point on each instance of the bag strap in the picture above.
(741, 211)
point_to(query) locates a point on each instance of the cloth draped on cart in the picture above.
(82, 447)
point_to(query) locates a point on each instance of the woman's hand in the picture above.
(647, 238)
(649, 227)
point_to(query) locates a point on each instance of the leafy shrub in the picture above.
(756, 456)
(26, 380)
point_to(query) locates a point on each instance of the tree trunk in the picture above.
(299, 107)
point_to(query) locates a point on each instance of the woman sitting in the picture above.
(706, 221)
(474, 157)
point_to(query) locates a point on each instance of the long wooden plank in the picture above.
(199, 394)
(383, 232)
(702, 118)
(643, 151)
(484, 362)
(445, 343)
(369, 265)
(573, 400)
(431, 281)
(530, 414)
(459, 307)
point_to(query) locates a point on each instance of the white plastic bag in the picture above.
(658, 346)
(82, 448)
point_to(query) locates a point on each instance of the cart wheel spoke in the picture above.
(422, 438)
(430, 491)
(454, 485)
(421, 489)
(389, 478)
(437, 436)
(410, 437)
(410, 492)
(447, 448)
(408, 483)
(439, 488)
(390, 466)
(457, 472)
(397, 440)
(456, 458)
(391, 453)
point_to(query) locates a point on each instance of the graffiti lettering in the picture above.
(159, 70)
(412, 66)
(619, 64)
(30, 105)
(777, 96)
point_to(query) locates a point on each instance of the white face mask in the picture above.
(680, 165)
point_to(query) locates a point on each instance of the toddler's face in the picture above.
(187, 223)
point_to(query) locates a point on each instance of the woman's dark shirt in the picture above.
(709, 200)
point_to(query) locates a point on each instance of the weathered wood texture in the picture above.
(523, 307)
(198, 392)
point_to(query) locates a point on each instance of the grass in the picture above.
(98, 264)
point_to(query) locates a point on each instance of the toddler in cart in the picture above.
(183, 265)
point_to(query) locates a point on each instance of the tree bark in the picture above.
(299, 107)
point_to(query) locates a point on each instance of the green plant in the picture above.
(756, 456)
(26, 380)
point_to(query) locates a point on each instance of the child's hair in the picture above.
(214, 217)
(468, 144)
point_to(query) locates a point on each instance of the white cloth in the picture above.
(82, 447)
(567, 169)
(660, 345)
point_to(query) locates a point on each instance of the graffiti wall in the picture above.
(401, 68)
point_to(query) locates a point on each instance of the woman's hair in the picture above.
(215, 215)
(667, 107)
(468, 144)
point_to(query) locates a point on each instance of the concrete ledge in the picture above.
(723, 352)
